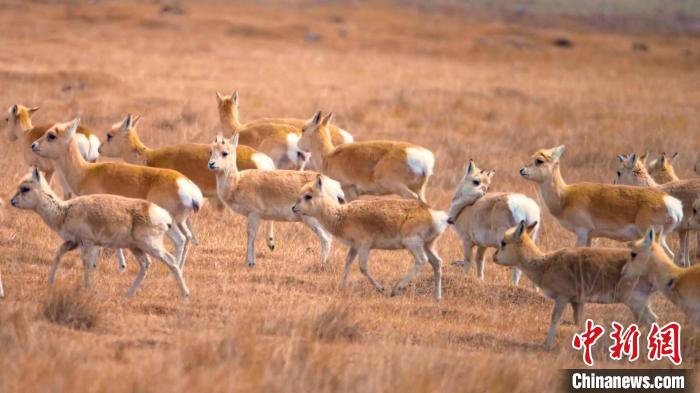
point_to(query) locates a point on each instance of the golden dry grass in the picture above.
(482, 90)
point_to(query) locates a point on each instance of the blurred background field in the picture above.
(493, 81)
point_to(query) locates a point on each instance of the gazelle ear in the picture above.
(531, 228)
(519, 230)
(234, 140)
(319, 182)
(36, 174)
(328, 119)
(135, 121)
(674, 157)
(649, 238)
(633, 160)
(14, 110)
(72, 129)
(644, 157)
(219, 97)
(492, 172)
(470, 168)
(126, 123)
(621, 157)
(219, 138)
(558, 152)
(234, 97)
(36, 108)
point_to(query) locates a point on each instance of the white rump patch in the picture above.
(83, 145)
(93, 154)
(292, 147)
(159, 216)
(675, 209)
(332, 187)
(263, 161)
(347, 138)
(420, 160)
(524, 209)
(439, 220)
(190, 194)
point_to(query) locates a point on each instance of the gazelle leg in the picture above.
(577, 308)
(270, 235)
(420, 258)
(183, 227)
(253, 223)
(121, 259)
(179, 239)
(480, 251)
(190, 231)
(89, 254)
(559, 307)
(436, 263)
(352, 253)
(64, 248)
(158, 251)
(326, 238)
(363, 254)
(144, 264)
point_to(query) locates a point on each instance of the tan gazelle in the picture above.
(575, 276)
(18, 125)
(591, 210)
(277, 140)
(632, 172)
(168, 188)
(190, 159)
(483, 221)
(378, 224)
(680, 285)
(95, 221)
(374, 168)
(258, 194)
(661, 167)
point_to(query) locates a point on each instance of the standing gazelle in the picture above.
(378, 224)
(257, 194)
(95, 221)
(374, 168)
(482, 222)
(190, 159)
(591, 210)
(165, 187)
(631, 171)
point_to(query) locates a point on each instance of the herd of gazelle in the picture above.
(311, 171)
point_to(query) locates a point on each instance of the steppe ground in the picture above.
(463, 85)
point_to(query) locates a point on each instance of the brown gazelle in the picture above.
(575, 276)
(258, 194)
(277, 140)
(661, 167)
(190, 159)
(18, 125)
(378, 224)
(165, 187)
(483, 221)
(375, 168)
(631, 171)
(95, 221)
(680, 285)
(591, 210)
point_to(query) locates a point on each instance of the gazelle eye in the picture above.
(476, 182)
(503, 244)
(52, 137)
(633, 254)
(619, 173)
(24, 190)
(109, 137)
(307, 197)
(224, 154)
(695, 211)
(539, 161)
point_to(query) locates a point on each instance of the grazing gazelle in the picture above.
(575, 276)
(680, 285)
(190, 159)
(374, 168)
(165, 187)
(96, 221)
(277, 140)
(378, 224)
(18, 125)
(591, 210)
(482, 222)
(632, 172)
(258, 194)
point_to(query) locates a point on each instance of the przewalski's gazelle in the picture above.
(661, 167)
(375, 168)
(680, 285)
(633, 172)
(377, 224)
(18, 125)
(258, 194)
(481, 222)
(277, 140)
(591, 210)
(96, 221)
(575, 276)
(167, 188)
(190, 159)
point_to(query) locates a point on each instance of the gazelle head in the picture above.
(661, 168)
(641, 253)
(227, 106)
(543, 165)
(694, 221)
(318, 195)
(314, 131)
(120, 138)
(631, 171)
(223, 154)
(515, 244)
(474, 185)
(14, 118)
(56, 141)
(30, 190)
